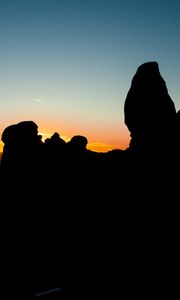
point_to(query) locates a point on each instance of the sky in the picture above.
(68, 64)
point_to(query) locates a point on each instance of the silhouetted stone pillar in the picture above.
(149, 111)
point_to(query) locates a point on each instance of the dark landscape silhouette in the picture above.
(95, 224)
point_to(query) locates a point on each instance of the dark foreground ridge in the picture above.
(82, 224)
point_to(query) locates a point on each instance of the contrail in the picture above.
(36, 100)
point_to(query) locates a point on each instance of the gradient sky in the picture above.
(68, 64)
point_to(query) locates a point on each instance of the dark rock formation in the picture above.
(22, 148)
(55, 139)
(82, 220)
(178, 130)
(178, 121)
(149, 110)
(78, 143)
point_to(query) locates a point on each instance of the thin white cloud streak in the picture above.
(36, 100)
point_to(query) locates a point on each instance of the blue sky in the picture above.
(68, 64)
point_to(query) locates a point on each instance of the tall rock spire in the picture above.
(149, 110)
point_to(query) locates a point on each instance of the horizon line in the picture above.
(94, 146)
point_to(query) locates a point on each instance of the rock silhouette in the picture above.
(20, 142)
(178, 124)
(103, 224)
(149, 110)
(55, 139)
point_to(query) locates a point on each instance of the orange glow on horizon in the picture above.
(1, 146)
(97, 142)
(93, 146)
(97, 147)
(101, 147)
